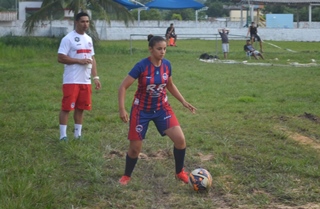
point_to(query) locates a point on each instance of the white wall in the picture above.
(30, 4)
(185, 29)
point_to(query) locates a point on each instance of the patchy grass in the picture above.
(256, 131)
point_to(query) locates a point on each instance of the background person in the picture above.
(225, 41)
(77, 54)
(251, 51)
(170, 33)
(150, 103)
(253, 30)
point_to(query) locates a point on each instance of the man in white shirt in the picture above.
(76, 52)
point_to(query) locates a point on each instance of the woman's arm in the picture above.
(126, 83)
(176, 93)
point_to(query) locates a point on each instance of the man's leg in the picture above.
(63, 121)
(78, 119)
(261, 56)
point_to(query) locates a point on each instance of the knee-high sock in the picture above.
(179, 158)
(130, 164)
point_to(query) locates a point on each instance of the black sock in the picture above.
(130, 164)
(179, 158)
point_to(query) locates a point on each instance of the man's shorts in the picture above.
(139, 122)
(225, 47)
(76, 96)
(256, 52)
(255, 37)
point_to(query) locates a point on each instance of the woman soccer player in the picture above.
(150, 104)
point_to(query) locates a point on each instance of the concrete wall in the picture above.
(185, 29)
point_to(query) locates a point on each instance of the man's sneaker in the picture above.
(124, 180)
(64, 139)
(78, 138)
(183, 176)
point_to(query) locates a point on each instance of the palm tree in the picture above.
(55, 8)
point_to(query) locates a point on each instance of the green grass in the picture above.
(248, 132)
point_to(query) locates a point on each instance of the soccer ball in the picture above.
(200, 180)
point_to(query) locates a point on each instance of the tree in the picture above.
(54, 8)
(7, 5)
(215, 9)
(151, 14)
(186, 14)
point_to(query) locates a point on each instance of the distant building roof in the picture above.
(283, 1)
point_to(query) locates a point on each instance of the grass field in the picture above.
(256, 130)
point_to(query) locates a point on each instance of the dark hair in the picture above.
(156, 39)
(150, 37)
(81, 14)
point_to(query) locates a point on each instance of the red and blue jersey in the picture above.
(151, 94)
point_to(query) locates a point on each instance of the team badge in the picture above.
(139, 128)
(72, 105)
(165, 76)
(90, 44)
(77, 39)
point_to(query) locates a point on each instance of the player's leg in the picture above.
(168, 39)
(131, 160)
(70, 93)
(261, 56)
(78, 120)
(260, 43)
(63, 121)
(179, 150)
(137, 130)
(167, 124)
(225, 49)
(252, 39)
(83, 103)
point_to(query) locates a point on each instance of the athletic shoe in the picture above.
(183, 176)
(64, 139)
(124, 180)
(78, 138)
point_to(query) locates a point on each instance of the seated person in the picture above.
(248, 48)
(170, 33)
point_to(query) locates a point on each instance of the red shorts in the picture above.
(139, 122)
(76, 96)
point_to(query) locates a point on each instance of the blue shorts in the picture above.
(139, 121)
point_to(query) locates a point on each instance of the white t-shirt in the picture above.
(79, 46)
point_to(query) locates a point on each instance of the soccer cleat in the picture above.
(183, 176)
(124, 180)
(78, 138)
(64, 139)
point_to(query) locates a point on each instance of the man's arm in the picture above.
(248, 30)
(64, 59)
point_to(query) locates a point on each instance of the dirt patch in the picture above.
(301, 139)
(311, 117)
(160, 154)
(205, 157)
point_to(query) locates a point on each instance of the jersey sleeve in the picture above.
(136, 71)
(64, 46)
